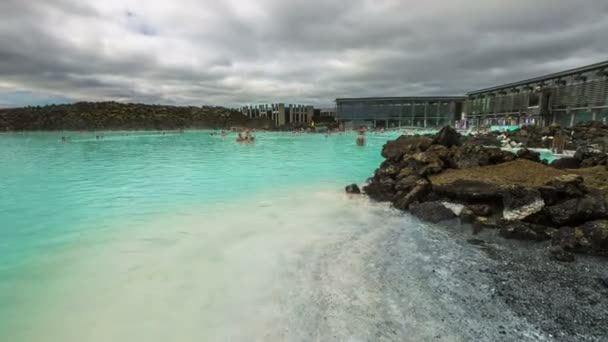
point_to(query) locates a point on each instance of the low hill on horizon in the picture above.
(115, 115)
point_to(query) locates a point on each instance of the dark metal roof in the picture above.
(600, 65)
(402, 98)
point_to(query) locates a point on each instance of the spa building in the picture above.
(565, 98)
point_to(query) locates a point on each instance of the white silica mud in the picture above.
(301, 264)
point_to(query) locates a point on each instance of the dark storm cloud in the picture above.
(240, 51)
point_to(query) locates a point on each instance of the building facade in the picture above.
(564, 98)
(281, 114)
(427, 111)
(327, 112)
(300, 114)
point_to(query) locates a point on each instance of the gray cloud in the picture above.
(240, 51)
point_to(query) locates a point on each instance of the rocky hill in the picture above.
(115, 116)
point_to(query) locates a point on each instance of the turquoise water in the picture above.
(143, 236)
(59, 201)
(548, 156)
(52, 190)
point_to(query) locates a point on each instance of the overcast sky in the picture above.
(232, 52)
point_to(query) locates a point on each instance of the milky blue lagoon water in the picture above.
(142, 236)
(60, 200)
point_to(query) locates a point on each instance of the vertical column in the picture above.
(571, 114)
(426, 112)
(413, 112)
(438, 114)
(593, 113)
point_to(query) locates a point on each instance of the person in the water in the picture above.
(361, 137)
(240, 138)
(249, 138)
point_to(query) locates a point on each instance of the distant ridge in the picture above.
(114, 115)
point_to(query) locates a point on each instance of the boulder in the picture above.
(381, 190)
(406, 172)
(408, 183)
(353, 189)
(468, 190)
(566, 163)
(526, 231)
(577, 210)
(468, 156)
(499, 156)
(550, 195)
(395, 149)
(562, 188)
(480, 209)
(433, 212)
(591, 237)
(529, 155)
(421, 189)
(440, 151)
(593, 159)
(520, 202)
(467, 216)
(596, 232)
(388, 170)
(569, 185)
(580, 153)
(447, 137)
(426, 163)
(571, 239)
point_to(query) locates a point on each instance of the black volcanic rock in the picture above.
(525, 231)
(447, 137)
(433, 212)
(394, 150)
(469, 190)
(577, 210)
(353, 189)
(382, 190)
(566, 163)
(529, 154)
(517, 195)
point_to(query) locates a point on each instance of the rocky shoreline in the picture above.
(590, 135)
(447, 177)
(530, 218)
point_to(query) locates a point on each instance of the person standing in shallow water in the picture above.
(361, 137)
(240, 138)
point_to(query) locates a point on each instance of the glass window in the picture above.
(534, 100)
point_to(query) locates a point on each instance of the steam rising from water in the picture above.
(308, 264)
